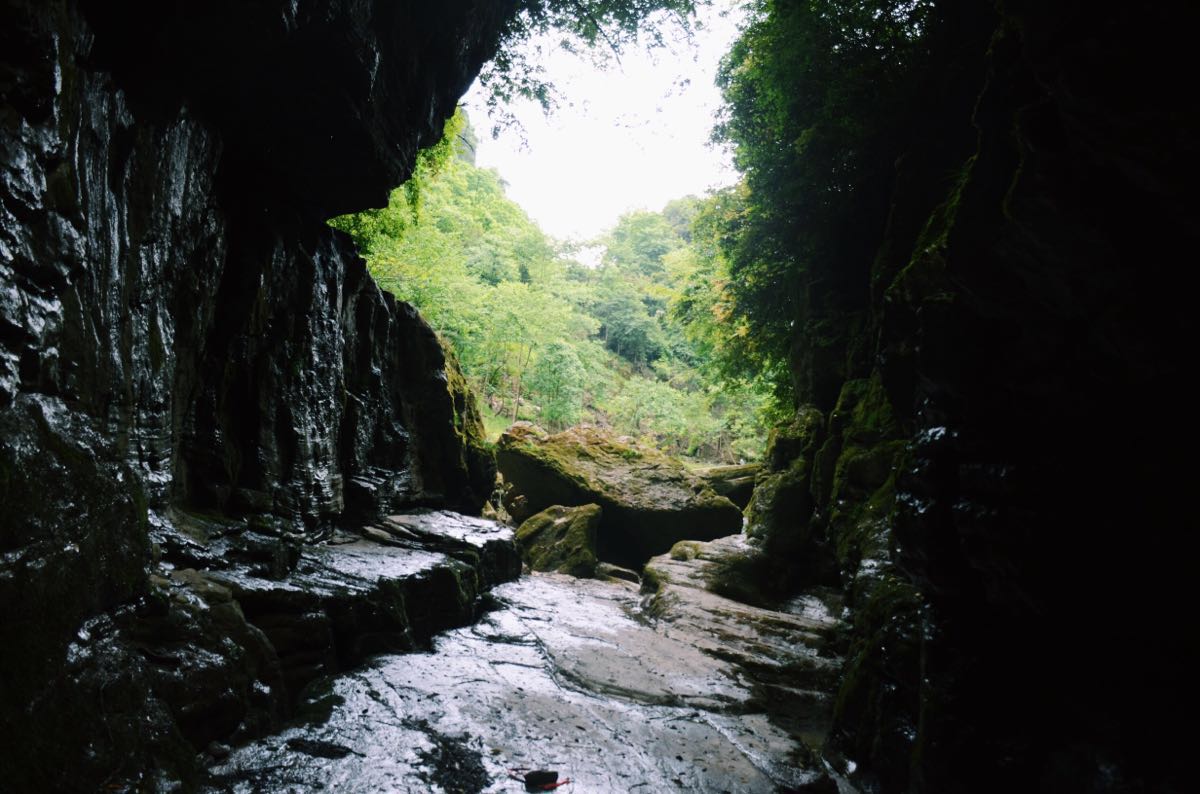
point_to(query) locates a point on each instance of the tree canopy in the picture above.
(541, 336)
(820, 97)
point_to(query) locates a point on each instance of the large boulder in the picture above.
(649, 500)
(561, 539)
(735, 483)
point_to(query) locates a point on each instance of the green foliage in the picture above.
(704, 303)
(625, 325)
(639, 242)
(542, 337)
(404, 206)
(601, 28)
(557, 382)
(820, 97)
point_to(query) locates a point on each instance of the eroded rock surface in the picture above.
(181, 332)
(649, 500)
(785, 650)
(230, 634)
(583, 677)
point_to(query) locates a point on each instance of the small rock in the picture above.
(379, 536)
(611, 571)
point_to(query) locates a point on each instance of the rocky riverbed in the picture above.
(615, 688)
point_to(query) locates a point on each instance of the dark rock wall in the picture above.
(1003, 475)
(178, 327)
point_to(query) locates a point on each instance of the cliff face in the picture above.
(997, 468)
(179, 331)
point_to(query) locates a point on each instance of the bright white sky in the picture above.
(632, 137)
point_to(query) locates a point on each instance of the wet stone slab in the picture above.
(581, 676)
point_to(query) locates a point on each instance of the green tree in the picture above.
(625, 325)
(638, 243)
(703, 304)
(557, 384)
(680, 213)
(543, 337)
(820, 101)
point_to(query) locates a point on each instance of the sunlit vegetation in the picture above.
(629, 343)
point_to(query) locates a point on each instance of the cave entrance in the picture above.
(564, 244)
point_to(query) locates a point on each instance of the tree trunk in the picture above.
(520, 373)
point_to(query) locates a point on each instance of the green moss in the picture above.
(650, 500)
(651, 583)
(855, 475)
(781, 505)
(685, 550)
(859, 529)
(561, 539)
(754, 578)
(468, 423)
(864, 413)
(800, 436)
(879, 697)
(923, 279)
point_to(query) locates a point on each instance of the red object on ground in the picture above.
(537, 779)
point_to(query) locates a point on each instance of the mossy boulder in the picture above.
(561, 539)
(649, 500)
(856, 476)
(780, 515)
(735, 483)
(782, 502)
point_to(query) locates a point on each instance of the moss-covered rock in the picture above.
(790, 440)
(561, 539)
(649, 500)
(864, 413)
(779, 516)
(735, 483)
(781, 502)
(879, 698)
(478, 459)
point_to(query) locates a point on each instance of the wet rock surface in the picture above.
(181, 333)
(648, 499)
(222, 645)
(351, 597)
(615, 690)
(963, 453)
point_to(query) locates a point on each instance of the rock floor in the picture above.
(614, 690)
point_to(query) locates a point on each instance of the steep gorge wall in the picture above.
(180, 333)
(992, 448)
